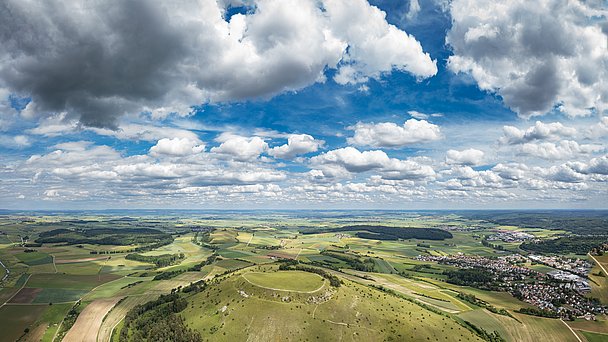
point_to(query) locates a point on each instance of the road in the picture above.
(574, 333)
(7, 272)
(22, 286)
(599, 264)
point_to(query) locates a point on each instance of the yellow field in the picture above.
(89, 321)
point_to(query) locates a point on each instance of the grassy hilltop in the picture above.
(264, 304)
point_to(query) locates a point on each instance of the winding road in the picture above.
(598, 263)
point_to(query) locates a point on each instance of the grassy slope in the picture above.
(599, 285)
(530, 329)
(354, 312)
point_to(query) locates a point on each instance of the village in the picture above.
(560, 291)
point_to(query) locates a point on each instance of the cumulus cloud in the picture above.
(464, 177)
(176, 147)
(540, 131)
(352, 159)
(535, 55)
(381, 46)
(96, 61)
(391, 135)
(600, 129)
(469, 156)
(170, 167)
(562, 150)
(240, 148)
(597, 166)
(16, 141)
(355, 161)
(297, 144)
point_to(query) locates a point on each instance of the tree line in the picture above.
(388, 233)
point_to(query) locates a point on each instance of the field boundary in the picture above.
(21, 288)
(111, 331)
(572, 330)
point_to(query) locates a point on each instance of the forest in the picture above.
(105, 236)
(580, 245)
(162, 260)
(389, 233)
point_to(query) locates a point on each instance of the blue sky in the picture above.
(304, 104)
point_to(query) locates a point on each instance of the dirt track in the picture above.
(87, 325)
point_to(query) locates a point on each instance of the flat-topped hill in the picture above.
(262, 304)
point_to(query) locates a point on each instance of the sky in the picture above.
(311, 104)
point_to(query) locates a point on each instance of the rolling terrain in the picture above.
(239, 277)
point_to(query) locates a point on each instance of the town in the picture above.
(559, 293)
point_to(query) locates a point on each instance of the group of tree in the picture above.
(600, 249)
(168, 274)
(487, 336)
(153, 238)
(566, 245)
(388, 233)
(580, 222)
(475, 277)
(162, 260)
(538, 312)
(482, 303)
(487, 243)
(353, 261)
(158, 321)
(210, 259)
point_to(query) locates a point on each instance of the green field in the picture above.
(232, 264)
(58, 295)
(286, 280)
(530, 329)
(16, 318)
(34, 258)
(69, 281)
(120, 286)
(52, 317)
(594, 337)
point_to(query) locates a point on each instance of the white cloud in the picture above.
(391, 135)
(59, 124)
(15, 141)
(540, 131)
(413, 10)
(600, 129)
(535, 55)
(562, 150)
(597, 166)
(297, 144)
(96, 63)
(240, 148)
(80, 145)
(374, 46)
(176, 147)
(352, 160)
(469, 156)
(145, 132)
